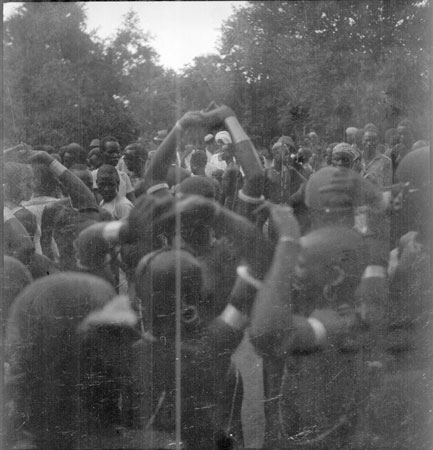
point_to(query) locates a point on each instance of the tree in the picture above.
(325, 65)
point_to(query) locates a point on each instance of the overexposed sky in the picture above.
(181, 30)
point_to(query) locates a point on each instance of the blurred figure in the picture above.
(107, 181)
(110, 151)
(135, 158)
(378, 167)
(216, 163)
(94, 159)
(74, 157)
(343, 155)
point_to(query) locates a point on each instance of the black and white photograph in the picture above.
(217, 225)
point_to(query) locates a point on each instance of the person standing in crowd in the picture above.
(110, 150)
(343, 155)
(74, 157)
(378, 167)
(216, 165)
(94, 159)
(107, 180)
(135, 158)
(404, 143)
(209, 145)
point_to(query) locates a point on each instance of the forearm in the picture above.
(81, 196)
(161, 160)
(246, 154)
(271, 317)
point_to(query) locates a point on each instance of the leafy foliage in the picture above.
(285, 67)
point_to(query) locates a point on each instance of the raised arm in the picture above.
(81, 196)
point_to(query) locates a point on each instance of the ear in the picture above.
(337, 275)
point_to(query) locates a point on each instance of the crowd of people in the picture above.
(132, 276)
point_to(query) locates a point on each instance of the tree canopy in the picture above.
(284, 67)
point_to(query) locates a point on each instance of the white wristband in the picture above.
(178, 127)
(374, 272)
(157, 187)
(253, 200)
(111, 230)
(57, 168)
(233, 317)
(318, 329)
(288, 239)
(245, 275)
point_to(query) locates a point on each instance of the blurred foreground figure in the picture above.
(68, 371)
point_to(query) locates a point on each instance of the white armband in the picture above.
(374, 272)
(57, 168)
(245, 275)
(318, 329)
(234, 318)
(253, 200)
(157, 187)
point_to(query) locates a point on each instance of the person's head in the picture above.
(343, 155)
(328, 153)
(94, 159)
(198, 185)
(329, 266)
(94, 144)
(304, 154)
(350, 135)
(391, 137)
(333, 193)
(135, 157)
(67, 333)
(370, 140)
(18, 182)
(156, 281)
(107, 181)
(74, 154)
(283, 154)
(222, 138)
(414, 205)
(313, 138)
(405, 133)
(110, 149)
(198, 162)
(209, 143)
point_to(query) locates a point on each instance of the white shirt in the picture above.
(214, 164)
(119, 207)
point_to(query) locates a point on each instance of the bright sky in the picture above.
(181, 30)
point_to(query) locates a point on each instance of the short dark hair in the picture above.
(139, 148)
(198, 158)
(106, 139)
(77, 152)
(107, 169)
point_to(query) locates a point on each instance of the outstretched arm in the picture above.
(81, 196)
